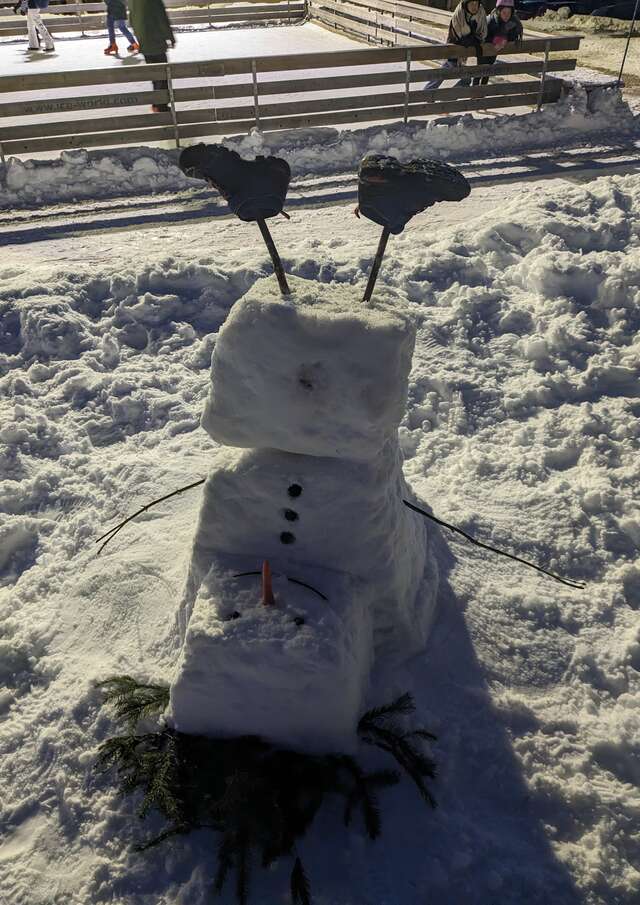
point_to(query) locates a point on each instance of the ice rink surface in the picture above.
(76, 52)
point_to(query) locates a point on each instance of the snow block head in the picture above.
(317, 373)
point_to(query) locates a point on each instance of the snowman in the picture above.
(306, 567)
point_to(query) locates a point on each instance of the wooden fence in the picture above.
(290, 91)
(84, 17)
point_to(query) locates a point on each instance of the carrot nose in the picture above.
(267, 591)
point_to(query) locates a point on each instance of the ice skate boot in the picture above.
(391, 193)
(112, 48)
(253, 189)
(134, 48)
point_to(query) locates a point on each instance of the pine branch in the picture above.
(163, 789)
(377, 727)
(402, 706)
(300, 888)
(132, 700)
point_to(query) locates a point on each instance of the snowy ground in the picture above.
(522, 427)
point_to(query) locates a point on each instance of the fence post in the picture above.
(407, 86)
(254, 78)
(2, 157)
(172, 103)
(543, 74)
(78, 14)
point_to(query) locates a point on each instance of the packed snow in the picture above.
(522, 427)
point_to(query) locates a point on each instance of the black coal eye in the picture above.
(298, 620)
(294, 490)
(291, 515)
(287, 537)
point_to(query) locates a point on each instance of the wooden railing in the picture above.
(84, 17)
(375, 84)
(235, 106)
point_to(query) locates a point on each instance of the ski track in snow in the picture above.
(522, 427)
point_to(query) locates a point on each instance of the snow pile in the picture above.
(522, 427)
(75, 175)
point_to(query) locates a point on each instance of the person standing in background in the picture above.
(154, 33)
(117, 18)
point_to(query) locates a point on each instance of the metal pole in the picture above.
(629, 36)
(275, 257)
(2, 157)
(543, 73)
(254, 77)
(172, 104)
(407, 86)
(377, 261)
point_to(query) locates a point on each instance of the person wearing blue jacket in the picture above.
(36, 29)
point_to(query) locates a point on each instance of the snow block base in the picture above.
(294, 673)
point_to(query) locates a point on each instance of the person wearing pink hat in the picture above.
(468, 28)
(503, 27)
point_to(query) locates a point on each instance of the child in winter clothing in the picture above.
(503, 27)
(468, 28)
(117, 16)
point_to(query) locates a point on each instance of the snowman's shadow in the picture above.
(484, 844)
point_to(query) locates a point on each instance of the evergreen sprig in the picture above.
(260, 798)
(381, 727)
(134, 701)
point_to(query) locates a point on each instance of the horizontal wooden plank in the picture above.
(111, 124)
(357, 116)
(198, 130)
(62, 9)
(98, 140)
(181, 17)
(85, 103)
(361, 102)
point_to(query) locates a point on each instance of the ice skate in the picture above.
(112, 48)
(133, 48)
(254, 189)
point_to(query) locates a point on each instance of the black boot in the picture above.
(391, 193)
(254, 189)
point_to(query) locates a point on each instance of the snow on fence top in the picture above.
(233, 96)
